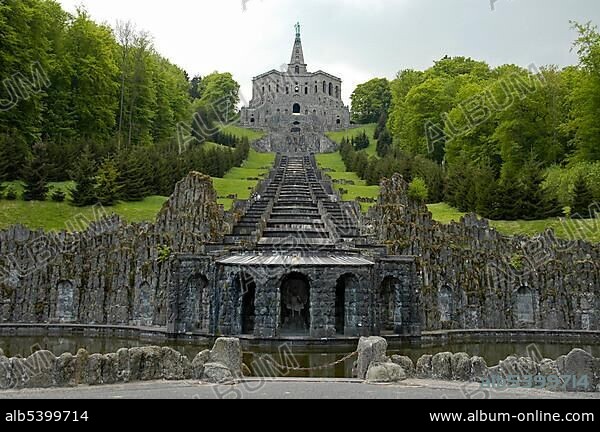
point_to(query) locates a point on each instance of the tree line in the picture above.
(506, 142)
(108, 107)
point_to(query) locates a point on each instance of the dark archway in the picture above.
(248, 314)
(296, 109)
(295, 305)
(330, 89)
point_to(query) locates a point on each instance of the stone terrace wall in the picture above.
(111, 273)
(474, 277)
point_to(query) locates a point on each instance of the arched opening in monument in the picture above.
(295, 305)
(338, 121)
(297, 69)
(296, 108)
(387, 304)
(445, 304)
(195, 315)
(65, 301)
(525, 305)
(330, 89)
(343, 285)
(145, 307)
(324, 87)
(252, 120)
(248, 315)
(337, 92)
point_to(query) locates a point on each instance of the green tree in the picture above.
(135, 175)
(384, 143)
(582, 199)
(220, 97)
(14, 152)
(418, 191)
(84, 176)
(93, 52)
(586, 95)
(371, 100)
(361, 141)
(35, 174)
(107, 188)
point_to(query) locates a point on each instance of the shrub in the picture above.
(11, 194)
(418, 191)
(59, 196)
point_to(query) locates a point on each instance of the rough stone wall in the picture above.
(110, 273)
(358, 307)
(474, 277)
(295, 134)
(222, 364)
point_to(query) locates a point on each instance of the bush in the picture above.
(561, 181)
(418, 191)
(59, 196)
(11, 194)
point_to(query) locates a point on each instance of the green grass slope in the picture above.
(369, 129)
(334, 166)
(52, 216)
(588, 230)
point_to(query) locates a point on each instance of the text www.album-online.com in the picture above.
(537, 416)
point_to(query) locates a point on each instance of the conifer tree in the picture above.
(384, 143)
(84, 176)
(36, 173)
(135, 171)
(108, 188)
(582, 199)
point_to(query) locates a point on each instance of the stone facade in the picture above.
(473, 277)
(296, 106)
(342, 300)
(294, 261)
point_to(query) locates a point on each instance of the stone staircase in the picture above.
(297, 211)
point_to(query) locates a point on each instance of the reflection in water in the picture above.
(266, 361)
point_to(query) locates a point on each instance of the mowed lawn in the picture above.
(334, 166)
(52, 216)
(588, 230)
(240, 182)
(240, 132)
(369, 129)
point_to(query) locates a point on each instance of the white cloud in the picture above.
(354, 39)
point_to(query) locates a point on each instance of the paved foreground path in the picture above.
(289, 389)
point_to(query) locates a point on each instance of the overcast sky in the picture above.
(353, 39)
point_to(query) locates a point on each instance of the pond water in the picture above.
(268, 360)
